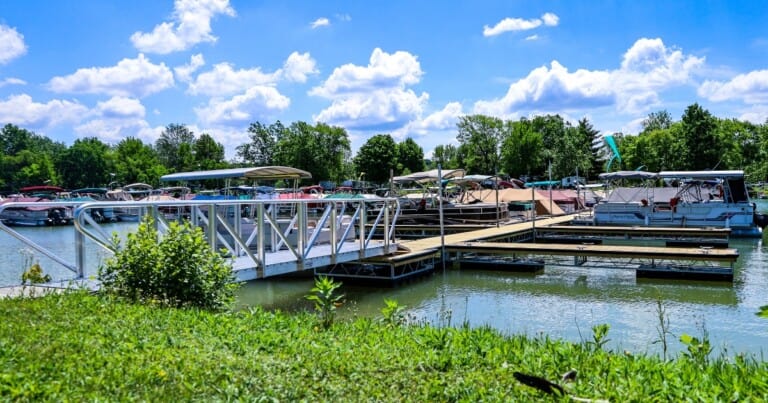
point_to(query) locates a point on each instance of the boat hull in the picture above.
(739, 217)
(35, 218)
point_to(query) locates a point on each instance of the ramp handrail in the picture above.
(224, 223)
(343, 219)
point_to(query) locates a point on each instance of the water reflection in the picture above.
(564, 302)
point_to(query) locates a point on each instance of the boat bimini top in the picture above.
(734, 174)
(268, 172)
(628, 175)
(430, 176)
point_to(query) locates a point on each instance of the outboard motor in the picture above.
(761, 220)
(97, 215)
(55, 217)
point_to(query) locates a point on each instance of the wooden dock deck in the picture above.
(637, 231)
(613, 251)
(486, 234)
(685, 262)
(671, 236)
(419, 248)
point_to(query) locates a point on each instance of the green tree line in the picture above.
(531, 147)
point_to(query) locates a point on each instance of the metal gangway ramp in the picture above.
(264, 238)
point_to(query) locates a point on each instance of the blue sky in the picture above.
(117, 69)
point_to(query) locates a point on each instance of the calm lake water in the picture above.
(563, 302)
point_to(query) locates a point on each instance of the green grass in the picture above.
(90, 348)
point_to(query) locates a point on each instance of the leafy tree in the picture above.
(574, 153)
(564, 147)
(446, 156)
(741, 141)
(334, 151)
(705, 148)
(658, 150)
(87, 163)
(593, 140)
(174, 148)
(482, 136)
(376, 158)
(522, 150)
(28, 168)
(260, 151)
(13, 139)
(208, 153)
(27, 158)
(320, 150)
(410, 157)
(758, 168)
(137, 162)
(660, 120)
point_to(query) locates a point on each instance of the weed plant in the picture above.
(84, 347)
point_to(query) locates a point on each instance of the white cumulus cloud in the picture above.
(190, 25)
(298, 66)
(647, 69)
(12, 81)
(436, 123)
(320, 22)
(377, 110)
(129, 78)
(255, 104)
(242, 96)
(112, 131)
(22, 111)
(11, 44)
(757, 114)
(520, 24)
(184, 72)
(121, 108)
(224, 80)
(750, 88)
(373, 96)
(384, 71)
(550, 19)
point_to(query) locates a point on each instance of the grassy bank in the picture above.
(83, 347)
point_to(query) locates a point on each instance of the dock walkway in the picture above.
(421, 255)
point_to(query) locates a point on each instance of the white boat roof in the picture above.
(269, 172)
(638, 175)
(138, 186)
(430, 176)
(702, 174)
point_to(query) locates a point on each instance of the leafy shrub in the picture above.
(178, 269)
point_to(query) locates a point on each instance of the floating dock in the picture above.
(672, 236)
(504, 248)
